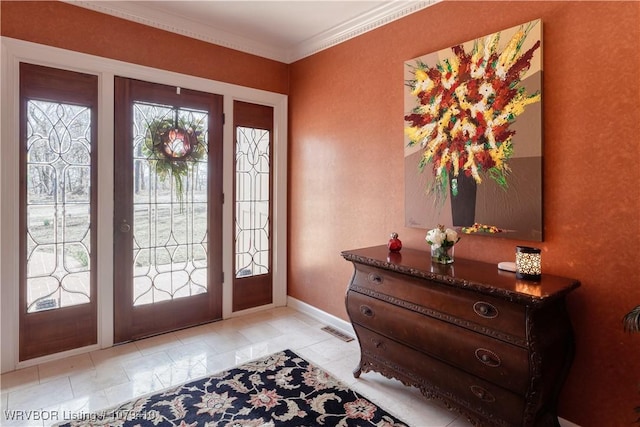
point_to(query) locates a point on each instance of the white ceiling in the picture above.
(281, 30)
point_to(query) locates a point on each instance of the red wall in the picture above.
(346, 171)
(74, 28)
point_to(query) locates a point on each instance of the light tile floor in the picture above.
(100, 379)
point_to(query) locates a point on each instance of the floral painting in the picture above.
(473, 135)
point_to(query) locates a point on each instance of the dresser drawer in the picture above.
(487, 314)
(491, 402)
(494, 360)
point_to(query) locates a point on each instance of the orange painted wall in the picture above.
(74, 28)
(346, 156)
(346, 172)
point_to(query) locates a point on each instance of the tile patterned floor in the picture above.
(101, 379)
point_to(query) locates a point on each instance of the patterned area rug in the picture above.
(282, 389)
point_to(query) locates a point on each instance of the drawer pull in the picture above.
(482, 394)
(486, 310)
(488, 357)
(367, 311)
(375, 278)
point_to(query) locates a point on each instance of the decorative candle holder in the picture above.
(528, 263)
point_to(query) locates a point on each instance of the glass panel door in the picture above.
(168, 208)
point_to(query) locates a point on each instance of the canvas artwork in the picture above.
(473, 136)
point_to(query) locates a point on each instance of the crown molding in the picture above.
(364, 23)
(369, 21)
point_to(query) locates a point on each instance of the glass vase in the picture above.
(442, 254)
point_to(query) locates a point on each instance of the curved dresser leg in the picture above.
(358, 370)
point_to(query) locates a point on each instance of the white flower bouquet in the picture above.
(442, 240)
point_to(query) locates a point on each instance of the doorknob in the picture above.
(124, 227)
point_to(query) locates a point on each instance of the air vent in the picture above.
(336, 333)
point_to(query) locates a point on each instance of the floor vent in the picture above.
(336, 333)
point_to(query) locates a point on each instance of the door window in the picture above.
(170, 186)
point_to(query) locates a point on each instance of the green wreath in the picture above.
(174, 149)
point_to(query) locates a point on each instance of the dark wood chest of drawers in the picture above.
(488, 345)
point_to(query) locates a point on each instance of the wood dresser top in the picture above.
(481, 277)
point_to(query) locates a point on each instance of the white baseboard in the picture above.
(321, 316)
(346, 327)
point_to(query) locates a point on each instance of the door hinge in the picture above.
(224, 119)
(223, 198)
(223, 277)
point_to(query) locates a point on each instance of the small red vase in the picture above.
(394, 244)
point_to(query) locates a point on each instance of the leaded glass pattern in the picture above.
(169, 209)
(252, 217)
(58, 205)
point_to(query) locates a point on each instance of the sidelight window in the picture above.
(252, 202)
(58, 202)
